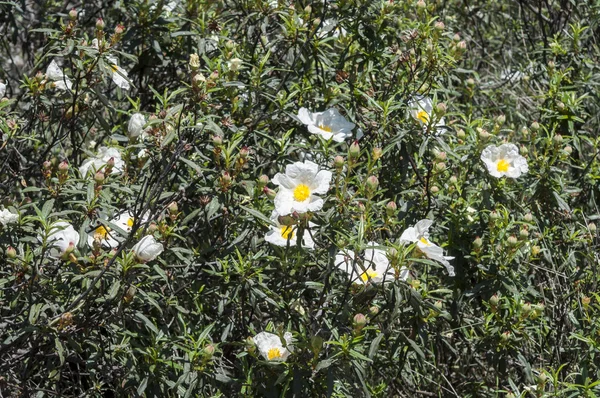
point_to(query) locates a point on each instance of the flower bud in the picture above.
(440, 155)
(209, 350)
(483, 134)
(99, 177)
(557, 139)
(592, 227)
(470, 82)
(390, 208)
(110, 163)
(528, 217)
(494, 300)
(119, 29)
(526, 309)
(421, 4)
(535, 126)
(374, 310)
(504, 337)
(440, 166)
(100, 24)
(73, 14)
(568, 150)
(234, 64)
(500, 119)
(460, 134)
(359, 321)
(494, 215)
(441, 109)
(462, 45)
(453, 180)
(130, 293)
(244, 152)
(478, 242)
(11, 252)
(63, 166)
(434, 189)
(524, 233)
(439, 25)
(560, 106)
(377, 153)
(269, 192)
(372, 183)
(47, 165)
(214, 75)
(263, 180)
(250, 345)
(173, 208)
(194, 62)
(217, 140)
(338, 162)
(512, 241)
(198, 79)
(354, 150)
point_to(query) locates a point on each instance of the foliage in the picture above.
(220, 85)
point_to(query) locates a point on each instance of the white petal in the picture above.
(422, 228)
(409, 235)
(2, 90)
(119, 77)
(320, 184)
(305, 116)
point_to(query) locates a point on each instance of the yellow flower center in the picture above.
(130, 222)
(101, 232)
(274, 353)
(424, 241)
(368, 274)
(325, 128)
(502, 166)
(287, 232)
(423, 117)
(301, 193)
(114, 68)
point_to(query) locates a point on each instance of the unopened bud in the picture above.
(470, 82)
(500, 119)
(494, 215)
(354, 150)
(512, 241)
(99, 177)
(217, 140)
(214, 75)
(263, 180)
(73, 14)
(524, 233)
(557, 139)
(359, 321)
(535, 126)
(130, 293)
(391, 208)
(338, 162)
(11, 252)
(462, 45)
(504, 337)
(270, 193)
(209, 350)
(456, 37)
(47, 165)
(461, 134)
(63, 166)
(374, 310)
(592, 227)
(568, 149)
(528, 217)
(441, 166)
(173, 208)
(494, 300)
(421, 4)
(110, 163)
(453, 180)
(585, 300)
(119, 29)
(100, 24)
(440, 155)
(439, 25)
(434, 189)
(441, 109)
(377, 153)
(478, 242)
(194, 62)
(526, 309)
(250, 346)
(560, 105)
(372, 183)
(483, 134)
(244, 152)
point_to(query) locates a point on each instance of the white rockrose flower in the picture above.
(329, 124)
(135, 127)
(271, 347)
(421, 109)
(419, 234)
(299, 187)
(282, 235)
(119, 75)
(147, 249)
(62, 237)
(101, 159)
(374, 267)
(107, 237)
(2, 89)
(55, 74)
(504, 161)
(6, 217)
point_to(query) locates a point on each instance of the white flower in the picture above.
(419, 234)
(62, 237)
(271, 348)
(147, 249)
(329, 124)
(107, 236)
(135, 127)
(2, 89)
(6, 217)
(299, 186)
(504, 161)
(421, 109)
(234, 64)
(54, 73)
(374, 268)
(282, 235)
(119, 75)
(331, 25)
(99, 161)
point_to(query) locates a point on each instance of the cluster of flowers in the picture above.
(303, 182)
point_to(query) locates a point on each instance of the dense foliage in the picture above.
(145, 146)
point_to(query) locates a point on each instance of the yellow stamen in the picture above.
(424, 241)
(423, 117)
(101, 232)
(130, 222)
(325, 128)
(368, 274)
(114, 68)
(301, 193)
(287, 232)
(502, 166)
(274, 353)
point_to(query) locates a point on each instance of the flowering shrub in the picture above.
(266, 198)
